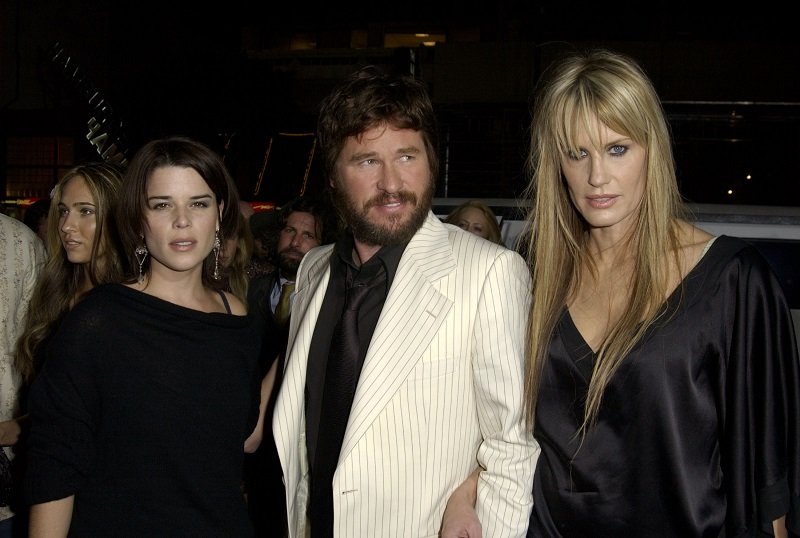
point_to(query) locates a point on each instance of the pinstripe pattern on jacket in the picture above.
(440, 392)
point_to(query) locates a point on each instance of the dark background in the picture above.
(241, 75)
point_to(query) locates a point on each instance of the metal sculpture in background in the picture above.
(106, 131)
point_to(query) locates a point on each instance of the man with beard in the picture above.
(405, 354)
(300, 227)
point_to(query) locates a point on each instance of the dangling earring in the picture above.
(217, 246)
(141, 255)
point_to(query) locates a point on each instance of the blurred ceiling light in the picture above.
(392, 40)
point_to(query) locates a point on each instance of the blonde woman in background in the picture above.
(476, 217)
(83, 251)
(234, 258)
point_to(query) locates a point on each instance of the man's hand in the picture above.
(460, 519)
(9, 432)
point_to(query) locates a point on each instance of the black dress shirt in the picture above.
(343, 268)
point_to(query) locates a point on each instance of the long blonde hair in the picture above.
(615, 91)
(61, 282)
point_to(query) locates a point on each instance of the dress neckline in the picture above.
(577, 346)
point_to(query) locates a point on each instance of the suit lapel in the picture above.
(413, 312)
(305, 311)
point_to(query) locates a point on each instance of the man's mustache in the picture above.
(383, 199)
(291, 250)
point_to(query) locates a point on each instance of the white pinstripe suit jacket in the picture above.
(440, 392)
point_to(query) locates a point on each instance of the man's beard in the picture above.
(288, 265)
(379, 234)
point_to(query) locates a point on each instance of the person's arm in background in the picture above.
(34, 256)
(10, 431)
(779, 528)
(252, 443)
(51, 519)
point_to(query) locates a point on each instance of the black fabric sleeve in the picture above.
(64, 408)
(761, 444)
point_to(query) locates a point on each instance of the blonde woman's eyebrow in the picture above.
(620, 141)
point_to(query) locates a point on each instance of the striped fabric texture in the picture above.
(439, 394)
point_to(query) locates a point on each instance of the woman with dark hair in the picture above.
(150, 388)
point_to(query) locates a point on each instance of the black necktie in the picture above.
(341, 378)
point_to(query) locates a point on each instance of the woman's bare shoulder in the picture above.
(693, 243)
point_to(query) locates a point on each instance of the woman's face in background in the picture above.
(77, 220)
(228, 251)
(474, 221)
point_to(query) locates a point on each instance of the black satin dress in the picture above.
(698, 431)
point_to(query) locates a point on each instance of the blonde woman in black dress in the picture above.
(662, 375)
